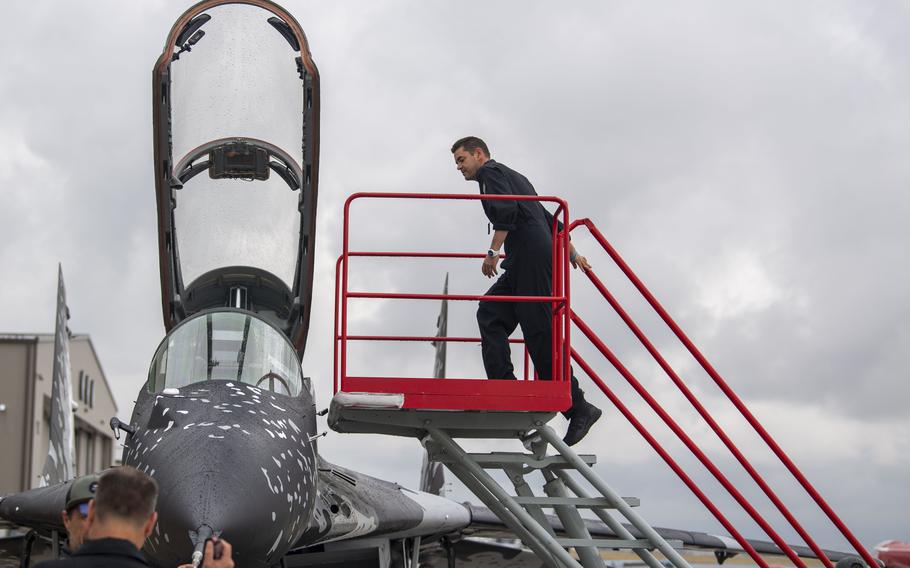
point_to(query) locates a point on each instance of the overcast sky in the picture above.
(748, 159)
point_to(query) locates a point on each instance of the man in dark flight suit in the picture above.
(525, 228)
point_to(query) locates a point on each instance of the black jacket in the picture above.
(529, 224)
(498, 179)
(101, 553)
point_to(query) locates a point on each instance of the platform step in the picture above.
(501, 460)
(581, 502)
(618, 543)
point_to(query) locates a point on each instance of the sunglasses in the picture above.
(82, 508)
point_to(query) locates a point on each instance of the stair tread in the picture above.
(637, 543)
(497, 460)
(592, 502)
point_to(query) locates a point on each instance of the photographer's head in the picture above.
(75, 515)
(124, 506)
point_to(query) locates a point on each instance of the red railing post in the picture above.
(336, 338)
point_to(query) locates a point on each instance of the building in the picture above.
(26, 371)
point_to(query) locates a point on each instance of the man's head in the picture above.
(470, 153)
(75, 514)
(124, 505)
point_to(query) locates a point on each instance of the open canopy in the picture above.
(236, 151)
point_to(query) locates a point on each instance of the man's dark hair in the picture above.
(471, 143)
(126, 493)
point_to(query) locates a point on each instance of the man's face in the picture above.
(469, 162)
(76, 522)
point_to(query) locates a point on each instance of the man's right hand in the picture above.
(581, 262)
(489, 266)
(224, 559)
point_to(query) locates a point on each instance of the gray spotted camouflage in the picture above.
(60, 464)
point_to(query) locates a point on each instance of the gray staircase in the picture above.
(524, 512)
(518, 506)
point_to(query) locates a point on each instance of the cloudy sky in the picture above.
(748, 159)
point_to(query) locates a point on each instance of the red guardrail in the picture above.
(455, 393)
(750, 418)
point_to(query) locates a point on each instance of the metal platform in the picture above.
(371, 413)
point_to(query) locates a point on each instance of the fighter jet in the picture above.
(226, 421)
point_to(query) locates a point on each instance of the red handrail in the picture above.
(690, 396)
(737, 402)
(693, 447)
(669, 459)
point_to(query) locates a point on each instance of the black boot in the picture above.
(581, 421)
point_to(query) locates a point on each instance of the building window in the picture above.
(86, 392)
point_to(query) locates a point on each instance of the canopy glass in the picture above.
(238, 81)
(226, 346)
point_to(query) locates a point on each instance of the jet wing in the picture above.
(478, 553)
(351, 505)
(36, 508)
(484, 523)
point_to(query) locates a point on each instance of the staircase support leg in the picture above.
(524, 490)
(604, 516)
(490, 484)
(615, 500)
(572, 522)
(490, 500)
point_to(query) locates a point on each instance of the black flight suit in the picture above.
(528, 271)
(101, 553)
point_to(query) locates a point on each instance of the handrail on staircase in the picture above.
(680, 472)
(726, 389)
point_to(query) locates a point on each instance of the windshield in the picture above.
(226, 346)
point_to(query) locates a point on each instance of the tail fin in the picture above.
(432, 476)
(60, 464)
(442, 325)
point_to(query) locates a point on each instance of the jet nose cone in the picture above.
(233, 457)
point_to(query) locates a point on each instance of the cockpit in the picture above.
(226, 346)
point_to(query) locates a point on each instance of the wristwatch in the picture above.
(492, 253)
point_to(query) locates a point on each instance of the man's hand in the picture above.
(489, 266)
(212, 558)
(581, 262)
(577, 260)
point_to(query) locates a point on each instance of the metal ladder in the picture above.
(523, 512)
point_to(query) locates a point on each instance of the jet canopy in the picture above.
(226, 346)
(236, 124)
